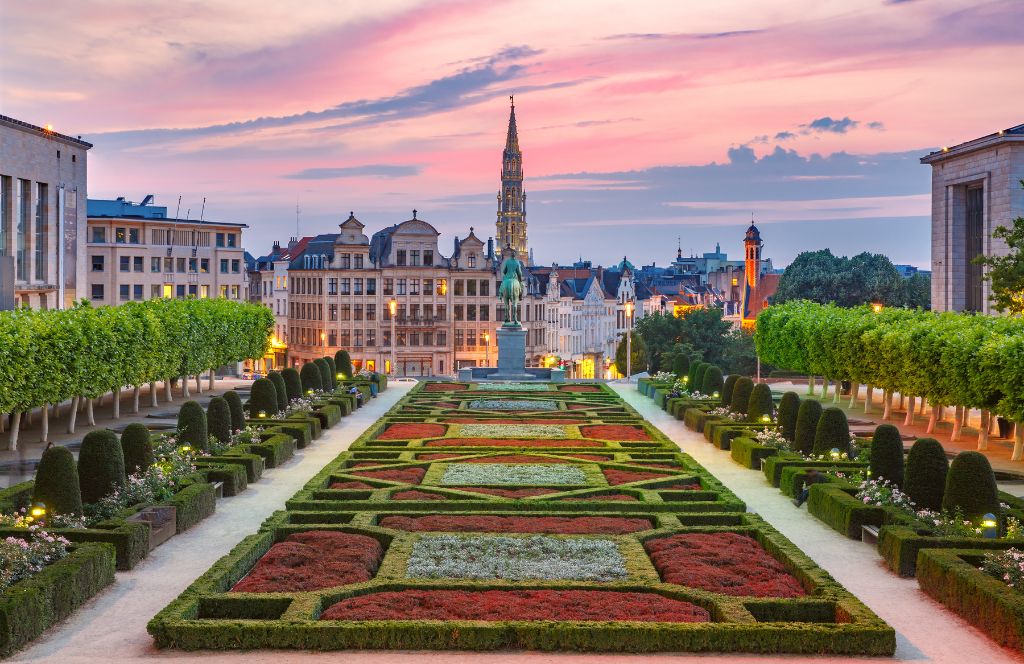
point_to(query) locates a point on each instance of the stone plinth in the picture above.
(511, 354)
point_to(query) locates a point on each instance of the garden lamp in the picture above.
(768, 418)
(989, 526)
(38, 511)
(835, 453)
(262, 414)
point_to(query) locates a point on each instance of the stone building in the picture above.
(42, 216)
(268, 285)
(976, 187)
(134, 251)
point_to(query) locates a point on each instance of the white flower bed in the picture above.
(533, 474)
(514, 387)
(512, 404)
(515, 558)
(512, 431)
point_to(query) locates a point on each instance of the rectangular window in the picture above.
(400, 314)
(389, 286)
(414, 257)
(471, 311)
(133, 236)
(97, 263)
(20, 239)
(332, 312)
(137, 291)
(193, 290)
(223, 266)
(442, 287)
(357, 337)
(346, 338)
(414, 338)
(485, 287)
(414, 311)
(428, 338)
(471, 287)
(346, 261)
(414, 287)
(358, 289)
(485, 312)
(220, 239)
(371, 286)
(400, 257)
(99, 235)
(193, 265)
(471, 338)
(97, 291)
(120, 235)
(154, 264)
(332, 286)
(204, 292)
(459, 338)
(154, 291)
(236, 292)
(472, 260)
(236, 266)
(179, 265)
(428, 257)
(428, 286)
(125, 263)
(442, 338)
(401, 287)
(138, 264)
(358, 261)
(401, 338)
(124, 291)
(357, 312)
(332, 338)
(460, 287)
(204, 266)
(42, 209)
(440, 315)
(346, 286)
(371, 336)
(371, 312)
(975, 246)
(346, 312)
(428, 311)
(168, 265)
(232, 240)
(385, 338)
(458, 312)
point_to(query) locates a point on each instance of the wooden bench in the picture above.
(869, 534)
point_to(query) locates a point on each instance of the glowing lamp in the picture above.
(185, 449)
(339, 376)
(876, 307)
(835, 454)
(767, 419)
(716, 395)
(38, 511)
(392, 306)
(262, 414)
(49, 128)
(686, 379)
(989, 526)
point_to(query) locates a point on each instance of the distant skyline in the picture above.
(640, 123)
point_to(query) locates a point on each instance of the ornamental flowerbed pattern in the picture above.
(551, 518)
(516, 558)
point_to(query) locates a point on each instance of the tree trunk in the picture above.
(213, 376)
(135, 399)
(910, 413)
(921, 406)
(986, 418)
(73, 415)
(868, 393)
(933, 419)
(153, 401)
(887, 401)
(837, 386)
(854, 389)
(958, 424)
(199, 385)
(1018, 442)
(810, 385)
(15, 427)
(184, 387)
(3, 419)
(168, 394)
(90, 416)
(44, 426)
(115, 394)
(902, 398)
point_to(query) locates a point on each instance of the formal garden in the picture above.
(494, 516)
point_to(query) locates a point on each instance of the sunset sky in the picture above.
(640, 122)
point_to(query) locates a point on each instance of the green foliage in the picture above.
(280, 389)
(887, 454)
(263, 398)
(807, 418)
(681, 364)
(713, 381)
(137, 448)
(691, 374)
(310, 375)
(821, 277)
(292, 382)
(738, 354)
(56, 485)
(237, 411)
(334, 371)
(760, 402)
(789, 407)
(344, 364)
(639, 351)
(192, 429)
(833, 432)
(925, 481)
(971, 486)
(100, 465)
(740, 398)
(728, 387)
(698, 375)
(218, 420)
(326, 378)
(702, 329)
(1005, 273)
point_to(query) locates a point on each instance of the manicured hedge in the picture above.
(749, 453)
(901, 544)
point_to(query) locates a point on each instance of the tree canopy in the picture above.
(820, 276)
(1006, 273)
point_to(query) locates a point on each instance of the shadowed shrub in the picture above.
(925, 478)
(137, 448)
(56, 484)
(100, 464)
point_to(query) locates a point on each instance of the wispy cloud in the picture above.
(368, 170)
(681, 36)
(826, 123)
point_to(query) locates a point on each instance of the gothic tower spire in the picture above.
(511, 223)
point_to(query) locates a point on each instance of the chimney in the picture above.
(292, 241)
(490, 247)
(147, 200)
(277, 244)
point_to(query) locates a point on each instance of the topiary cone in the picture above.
(56, 484)
(100, 465)
(806, 425)
(218, 420)
(334, 371)
(833, 432)
(310, 375)
(713, 381)
(344, 364)
(292, 383)
(192, 429)
(971, 486)
(728, 387)
(237, 411)
(698, 376)
(263, 398)
(137, 448)
(887, 454)
(279, 388)
(740, 398)
(925, 478)
(681, 365)
(789, 407)
(760, 403)
(325, 373)
(691, 376)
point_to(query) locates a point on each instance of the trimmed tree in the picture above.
(100, 465)
(192, 429)
(698, 376)
(262, 398)
(887, 454)
(833, 432)
(807, 417)
(728, 387)
(218, 420)
(326, 377)
(691, 375)
(740, 397)
(334, 371)
(280, 388)
(237, 410)
(760, 403)
(789, 407)
(713, 381)
(56, 484)
(310, 376)
(681, 364)
(137, 448)
(971, 486)
(925, 478)
(292, 382)
(344, 364)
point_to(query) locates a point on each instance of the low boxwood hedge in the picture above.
(836, 505)
(900, 545)
(275, 448)
(233, 476)
(30, 606)
(749, 453)
(774, 465)
(250, 462)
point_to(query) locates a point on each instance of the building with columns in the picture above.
(976, 187)
(42, 216)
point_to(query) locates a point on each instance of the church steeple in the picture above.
(511, 223)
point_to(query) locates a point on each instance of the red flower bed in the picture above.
(579, 388)
(563, 525)
(477, 420)
(445, 404)
(351, 485)
(517, 458)
(437, 456)
(615, 476)
(608, 496)
(510, 493)
(669, 466)
(313, 560)
(511, 442)
(578, 406)
(412, 494)
(689, 486)
(405, 431)
(407, 475)
(515, 605)
(726, 563)
(445, 387)
(615, 432)
(588, 457)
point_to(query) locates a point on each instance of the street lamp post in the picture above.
(487, 349)
(629, 341)
(393, 309)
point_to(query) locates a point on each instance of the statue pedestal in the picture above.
(511, 355)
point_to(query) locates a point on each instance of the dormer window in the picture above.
(472, 260)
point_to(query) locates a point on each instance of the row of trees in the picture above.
(47, 357)
(820, 276)
(950, 359)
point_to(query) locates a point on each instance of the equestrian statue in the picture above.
(511, 289)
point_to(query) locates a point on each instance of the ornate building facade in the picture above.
(510, 229)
